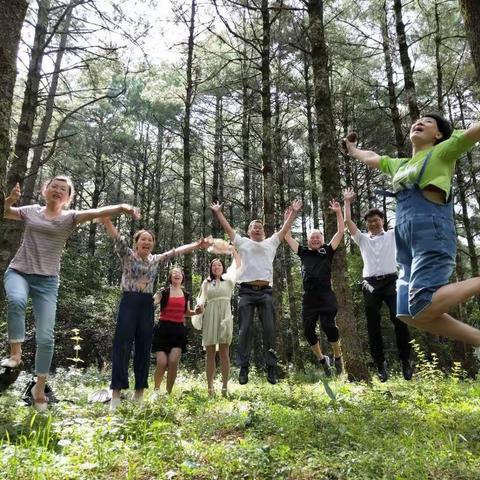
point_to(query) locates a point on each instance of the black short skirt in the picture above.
(168, 335)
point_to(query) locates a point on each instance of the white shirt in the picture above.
(257, 258)
(378, 253)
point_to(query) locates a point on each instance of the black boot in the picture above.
(382, 371)
(407, 370)
(243, 376)
(272, 374)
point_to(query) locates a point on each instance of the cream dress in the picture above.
(216, 322)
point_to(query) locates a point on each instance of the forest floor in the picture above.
(301, 428)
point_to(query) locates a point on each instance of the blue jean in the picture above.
(43, 291)
(426, 248)
(134, 326)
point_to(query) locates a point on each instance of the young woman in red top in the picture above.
(169, 335)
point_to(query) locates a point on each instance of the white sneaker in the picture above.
(114, 403)
(155, 395)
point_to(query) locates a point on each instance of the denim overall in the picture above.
(426, 247)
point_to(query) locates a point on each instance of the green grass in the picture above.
(425, 429)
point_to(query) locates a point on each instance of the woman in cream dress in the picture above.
(217, 321)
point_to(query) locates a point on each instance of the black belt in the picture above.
(380, 277)
(254, 287)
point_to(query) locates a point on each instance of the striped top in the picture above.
(138, 274)
(43, 240)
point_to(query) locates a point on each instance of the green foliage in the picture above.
(423, 429)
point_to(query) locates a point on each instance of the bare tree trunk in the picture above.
(10, 232)
(30, 98)
(471, 17)
(392, 94)
(438, 63)
(406, 63)
(187, 175)
(267, 163)
(247, 205)
(29, 185)
(217, 194)
(330, 178)
(312, 157)
(12, 13)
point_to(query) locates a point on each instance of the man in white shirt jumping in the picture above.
(377, 248)
(255, 279)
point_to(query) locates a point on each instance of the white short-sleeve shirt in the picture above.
(378, 253)
(257, 258)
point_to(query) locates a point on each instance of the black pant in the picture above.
(323, 306)
(134, 325)
(249, 299)
(375, 293)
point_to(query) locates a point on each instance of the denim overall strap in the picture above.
(422, 170)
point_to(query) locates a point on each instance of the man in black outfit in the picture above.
(318, 299)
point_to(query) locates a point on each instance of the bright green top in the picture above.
(439, 170)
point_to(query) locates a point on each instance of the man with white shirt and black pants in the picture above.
(255, 279)
(377, 248)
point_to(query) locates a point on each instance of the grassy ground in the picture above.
(428, 428)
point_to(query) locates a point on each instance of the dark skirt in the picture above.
(168, 335)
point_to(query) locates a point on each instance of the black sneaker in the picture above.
(243, 376)
(338, 363)
(325, 364)
(272, 374)
(382, 371)
(407, 370)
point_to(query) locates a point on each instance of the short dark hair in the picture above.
(373, 212)
(443, 125)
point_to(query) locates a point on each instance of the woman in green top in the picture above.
(425, 229)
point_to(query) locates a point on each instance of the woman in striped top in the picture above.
(34, 270)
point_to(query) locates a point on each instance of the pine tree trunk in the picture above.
(312, 157)
(30, 99)
(217, 195)
(10, 232)
(247, 204)
(29, 185)
(471, 17)
(406, 63)
(267, 163)
(187, 175)
(12, 13)
(330, 179)
(392, 94)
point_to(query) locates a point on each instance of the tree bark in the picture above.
(471, 17)
(267, 163)
(187, 175)
(30, 180)
(330, 178)
(406, 63)
(392, 94)
(312, 157)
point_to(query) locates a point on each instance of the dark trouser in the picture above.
(374, 293)
(321, 305)
(249, 299)
(134, 325)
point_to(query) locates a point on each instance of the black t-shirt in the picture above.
(316, 268)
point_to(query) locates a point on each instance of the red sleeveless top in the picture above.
(174, 310)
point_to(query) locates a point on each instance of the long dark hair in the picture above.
(211, 276)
